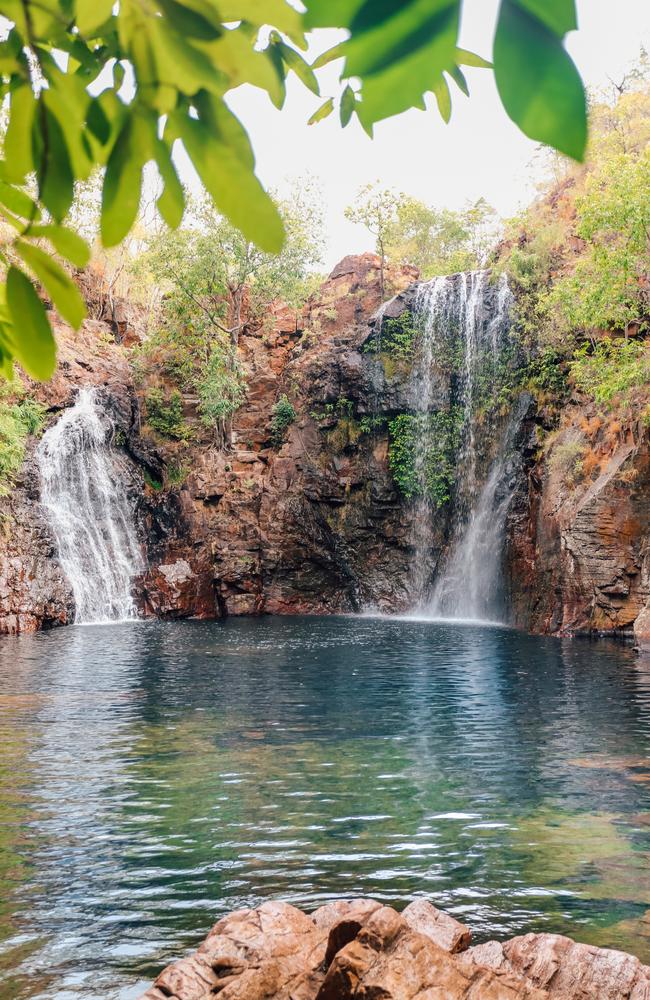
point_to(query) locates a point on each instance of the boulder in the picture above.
(567, 970)
(359, 949)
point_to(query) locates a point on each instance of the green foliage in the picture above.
(608, 286)
(215, 280)
(422, 451)
(611, 369)
(18, 419)
(177, 473)
(151, 481)
(440, 241)
(283, 416)
(398, 336)
(183, 58)
(165, 414)
(221, 387)
(372, 424)
(577, 260)
(547, 373)
(566, 461)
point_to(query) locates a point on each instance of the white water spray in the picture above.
(88, 511)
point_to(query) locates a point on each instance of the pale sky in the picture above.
(480, 153)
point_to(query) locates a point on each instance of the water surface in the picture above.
(155, 776)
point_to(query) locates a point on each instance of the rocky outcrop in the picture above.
(362, 950)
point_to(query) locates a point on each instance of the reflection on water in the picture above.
(154, 776)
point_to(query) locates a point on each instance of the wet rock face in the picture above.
(34, 594)
(361, 950)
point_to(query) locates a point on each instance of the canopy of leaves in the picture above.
(214, 280)
(91, 83)
(579, 258)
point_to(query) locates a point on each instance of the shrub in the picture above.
(165, 414)
(284, 415)
(396, 337)
(221, 387)
(151, 481)
(547, 372)
(17, 421)
(611, 368)
(421, 453)
(177, 473)
(565, 461)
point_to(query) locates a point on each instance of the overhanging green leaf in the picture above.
(348, 105)
(559, 16)
(538, 82)
(171, 203)
(323, 112)
(277, 13)
(419, 25)
(18, 202)
(32, 341)
(19, 158)
(54, 170)
(60, 287)
(466, 58)
(66, 242)
(302, 69)
(123, 182)
(92, 14)
(443, 98)
(232, 184)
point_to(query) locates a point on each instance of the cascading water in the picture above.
(463, 320)
(88, 511)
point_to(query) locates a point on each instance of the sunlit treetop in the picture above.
(93, 83)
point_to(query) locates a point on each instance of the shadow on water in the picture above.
(154, 776)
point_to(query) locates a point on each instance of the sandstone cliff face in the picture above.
(577, 554)
(313, 523)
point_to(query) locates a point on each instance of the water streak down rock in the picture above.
(88, 512)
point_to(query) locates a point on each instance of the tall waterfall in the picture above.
(88, 511)
(464, 319)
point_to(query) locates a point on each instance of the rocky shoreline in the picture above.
(360, 949)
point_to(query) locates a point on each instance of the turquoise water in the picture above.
(154, 776)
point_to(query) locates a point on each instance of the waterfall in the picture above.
(463, 321)
(88, 511)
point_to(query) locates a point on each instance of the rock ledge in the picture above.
(364, 950)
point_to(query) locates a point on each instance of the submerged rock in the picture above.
(362, 950)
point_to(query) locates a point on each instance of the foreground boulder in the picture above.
(361, 950)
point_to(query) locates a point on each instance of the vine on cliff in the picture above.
(422, 451)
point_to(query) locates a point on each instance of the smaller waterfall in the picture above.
(87, 509)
